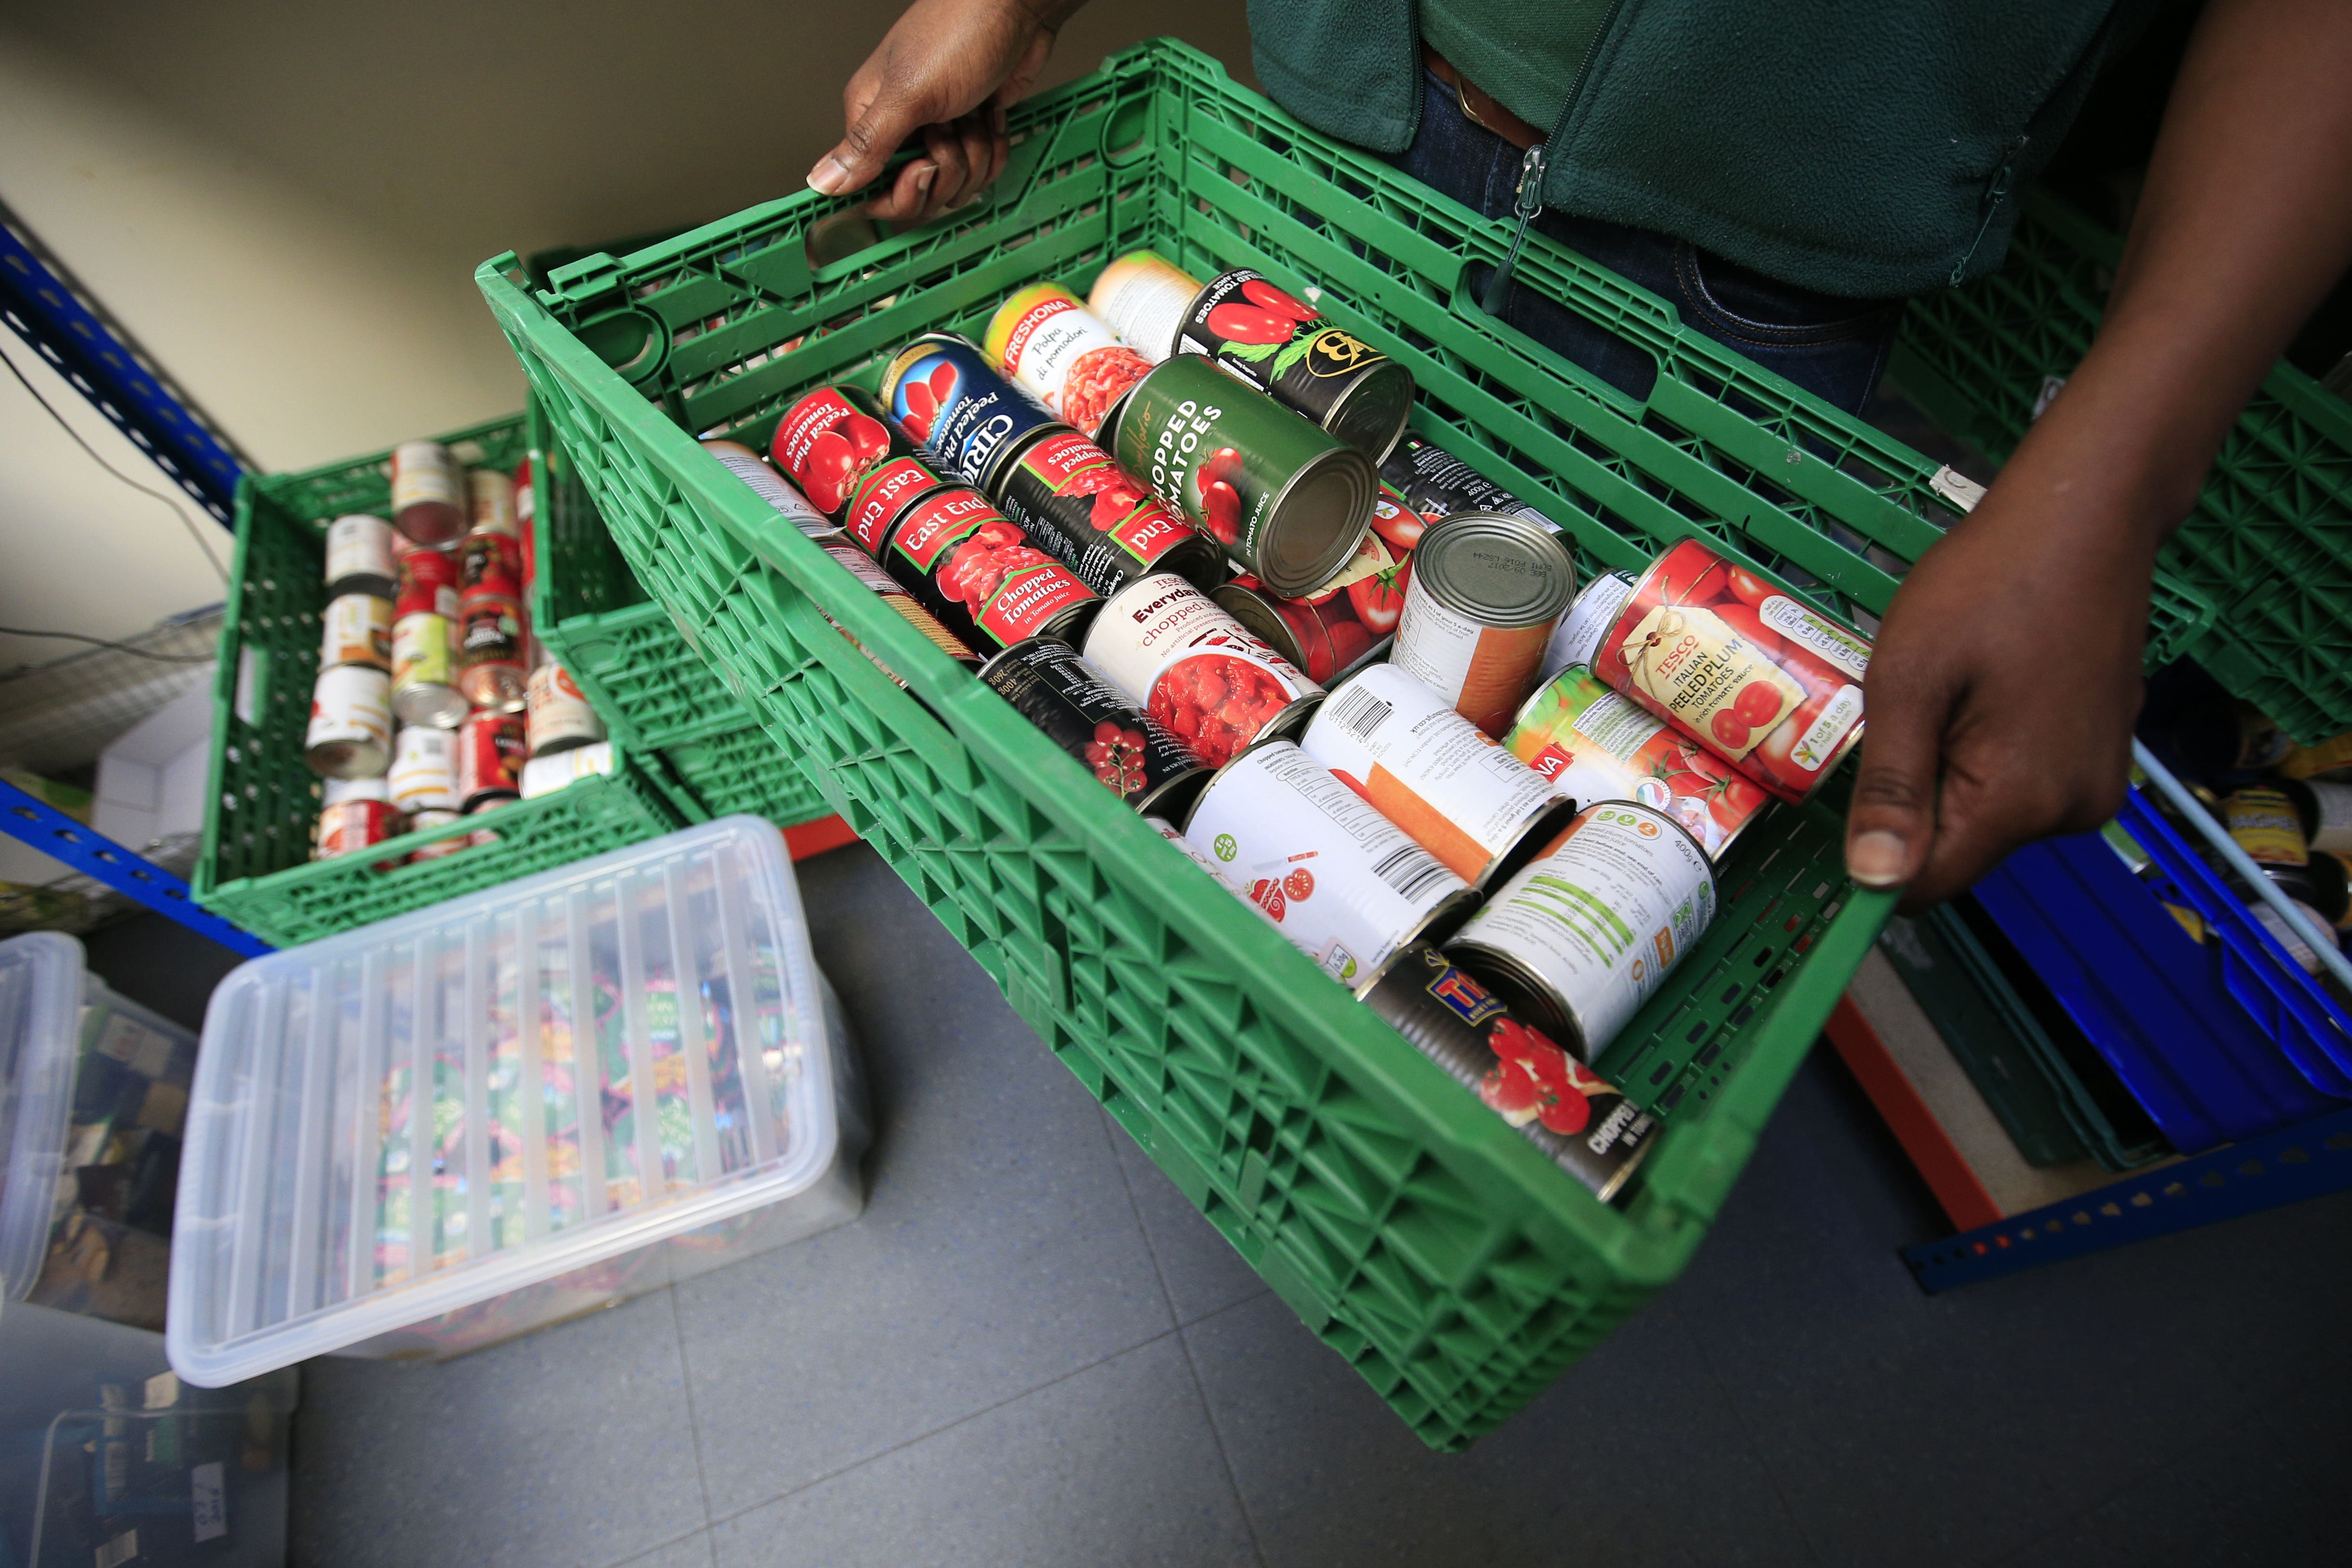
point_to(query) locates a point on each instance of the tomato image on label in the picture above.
(1220, 501)
(1216, 703)
(1379, 599)
(1534, 1080)
(925, 397)
(1299, 886)
(1117, 756)
(825, 443)
(982, 563)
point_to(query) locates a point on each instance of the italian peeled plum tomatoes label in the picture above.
(1690, 662)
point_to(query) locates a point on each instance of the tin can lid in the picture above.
(1255, 609)
(1316, 523)
(1496, 569)
(1370, 416)
(1588, 620)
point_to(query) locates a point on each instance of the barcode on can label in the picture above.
(1360, 712)
(1411, 871)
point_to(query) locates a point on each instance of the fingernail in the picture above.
(964, 201)
(830, 177)
(928, 172)
(1876, 858)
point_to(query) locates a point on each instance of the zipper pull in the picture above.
(1995, 194)
(1525, 202)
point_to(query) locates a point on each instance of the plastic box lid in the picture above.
(304, 1198)
(40, 1037)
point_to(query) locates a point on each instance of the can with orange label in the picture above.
(1487, 588)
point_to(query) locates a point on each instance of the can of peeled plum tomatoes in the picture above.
(356, 629)
(1286, 502)
(1124, 747)
(352, 825)
(489, 758)
(981, 575)
(1143, 297)
(428, 492)
(771, 487)
(1739, 664)
(1582, 936)
(1063, 354)
(1068, 496)
(1477, 807)
(556, 717)
(361, 557)
(944, 391)
(1279, 345)
(1583, 1124)
(350, 734)
(1341, 881)
(1597, 744)
(830, 440)
(1487, 590)
(1210, 683)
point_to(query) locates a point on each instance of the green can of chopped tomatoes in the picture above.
(1287, 502)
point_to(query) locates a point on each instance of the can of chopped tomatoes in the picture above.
(1143, 297)
(424, 671)
(1059, 692)
(352, 825)
(424, 821)
(489, 651)
(883, 493)
(1436, 484)
(1286, 502)
(1739, 664)
(1583, 1123)
(944, 391)
(863, 567)
(981, 575)
(425, 769)
(830, 440)
(1067, 495)
(1281, 346)
(1063, 354)
(1195, 668)
(356, 629)
(1586, 931)
(556, 716)
(350, 734)
(1345, 884)
(361, 557)
(1486, 592)
(490, 750)
(1595, 744)
(1456, 792)
(1336, 629)
(429, 494)
(428, 584)
(783, 499)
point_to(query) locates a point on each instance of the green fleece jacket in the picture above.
(1864, 149)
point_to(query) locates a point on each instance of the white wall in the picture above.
(285, 202)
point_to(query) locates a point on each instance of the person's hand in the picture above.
(946, 70)
(2007, 671)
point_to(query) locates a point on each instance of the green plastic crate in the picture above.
(1405, 1223)
(263, 806)
(2267, 544)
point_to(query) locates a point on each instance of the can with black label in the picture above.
(1069, 497)
(1487, 590)
(1581, 937)
(1582, 1123)
(362, 557)
(1286, 502)
(1080, 711)
(350, 735)
(489, 651)
(882, 497)
(1461, 796)
(1341, 881)
(945, 393)
(489, 758)
(966, 563)
(1436, 484)
(1283, 346)
(1210, 684)
(830, 440)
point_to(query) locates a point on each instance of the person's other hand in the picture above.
(2008, 672)
(946, 70)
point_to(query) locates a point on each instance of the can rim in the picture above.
(1342, 406)
(1274, 631)
(1447, 917)
(1524, 994)
(1347, 541)
(1559, 593)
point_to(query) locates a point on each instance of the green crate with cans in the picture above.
(2265, 545)
(380, 741)
(1397, 774)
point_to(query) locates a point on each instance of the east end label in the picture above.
(1074, 466)
(1692, 666)
(941, 520)
(881, 496)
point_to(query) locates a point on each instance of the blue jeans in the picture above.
(1833, 347)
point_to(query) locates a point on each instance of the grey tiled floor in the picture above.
(1031, 1351)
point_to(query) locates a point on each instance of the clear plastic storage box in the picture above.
(93, 1092)
(440, 1132)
